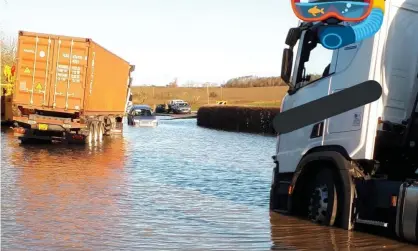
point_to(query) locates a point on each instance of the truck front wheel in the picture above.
(323, 198)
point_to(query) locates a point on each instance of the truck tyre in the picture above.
(90, 135)
(100, 131)
(274, 203)
(323, 198)
(107, 126)
(95, 131)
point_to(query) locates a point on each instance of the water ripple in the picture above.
(174, 187)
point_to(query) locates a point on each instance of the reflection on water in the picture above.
(295, 234)
(176, 186)
(56, 190)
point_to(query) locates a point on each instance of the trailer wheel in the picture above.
(90, 136)
(95, 131)
(107, 126)
(323, 198)
(100, 131)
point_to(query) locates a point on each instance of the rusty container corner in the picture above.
(69, 75)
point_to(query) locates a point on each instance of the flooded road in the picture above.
(174, 187)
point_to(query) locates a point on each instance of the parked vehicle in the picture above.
(172, 103)
(68, 89)
(181, 108)
(142, 115)
(359, 167)
(160, 108)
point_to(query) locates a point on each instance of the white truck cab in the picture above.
(351, 169)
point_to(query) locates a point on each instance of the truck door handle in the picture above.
(317, 130)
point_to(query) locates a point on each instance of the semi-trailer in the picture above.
(68, 89)
(358, 168)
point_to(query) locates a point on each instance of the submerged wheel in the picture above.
(323, 198)
(95, 131)
(90, 136)
(100, 131)
(107, 126)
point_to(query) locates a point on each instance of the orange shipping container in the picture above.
(70, 75)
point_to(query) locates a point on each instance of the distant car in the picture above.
(142, 115)
(160, 108)
(172, 103)
(181, 108)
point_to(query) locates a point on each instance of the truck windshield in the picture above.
(314, 62)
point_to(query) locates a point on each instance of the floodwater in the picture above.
(174, 187)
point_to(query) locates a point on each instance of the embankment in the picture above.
(238, 118)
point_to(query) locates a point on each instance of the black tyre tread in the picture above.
(107, 126)
(90, 126)
(326, 176)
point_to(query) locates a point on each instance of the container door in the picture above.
(70, 73)
(34, 73)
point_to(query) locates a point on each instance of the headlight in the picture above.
(67, 126)
(31, 122)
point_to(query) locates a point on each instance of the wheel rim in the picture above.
(318, 206)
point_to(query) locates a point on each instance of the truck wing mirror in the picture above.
(293, 36)
(287, 62)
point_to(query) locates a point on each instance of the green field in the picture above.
(197, 97)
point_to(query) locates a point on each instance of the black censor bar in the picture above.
(328, 106)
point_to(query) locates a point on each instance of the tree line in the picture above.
(253, 81)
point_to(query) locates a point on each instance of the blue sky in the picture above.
(193, 40)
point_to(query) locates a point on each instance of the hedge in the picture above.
(238, 118)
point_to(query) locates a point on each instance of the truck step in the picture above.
(372, 222)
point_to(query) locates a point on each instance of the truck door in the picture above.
(309, 60)
(34, 70)
(351, 120)
(67, 86)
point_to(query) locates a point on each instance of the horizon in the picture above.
(193, 41)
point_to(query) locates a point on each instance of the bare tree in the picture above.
(140, 97)
(8, 54)
(173, 83)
